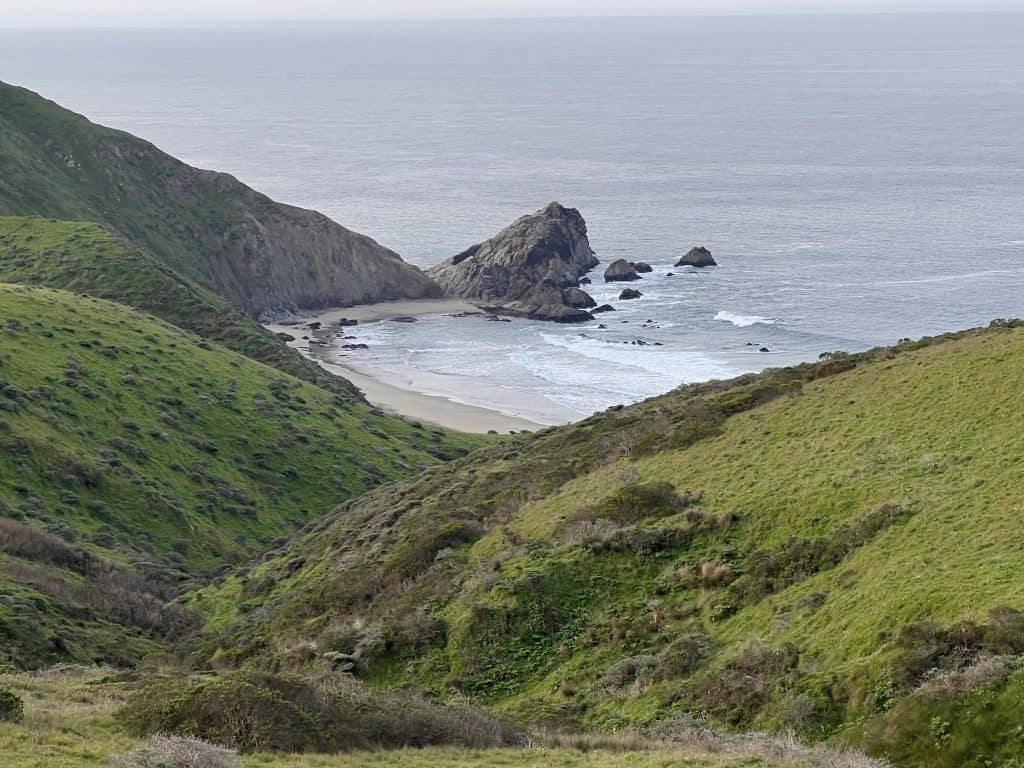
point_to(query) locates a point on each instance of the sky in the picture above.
(73, 13)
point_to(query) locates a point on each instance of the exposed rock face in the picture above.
(266, 258)
(698, 256)
(620, 270)
(642, 266)
(531, 268)
(602, 308)
(629, 293)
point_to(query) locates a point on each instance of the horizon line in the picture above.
(302, 21)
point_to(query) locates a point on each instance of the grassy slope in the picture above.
(88, 258)
(140, 444)
(58, 164)
(767, 586)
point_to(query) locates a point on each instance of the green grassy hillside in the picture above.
(833, 549)
(88, 258)
(135, 456)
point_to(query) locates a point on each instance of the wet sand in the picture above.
(401, 397)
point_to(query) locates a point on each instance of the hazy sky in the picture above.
(118, 12)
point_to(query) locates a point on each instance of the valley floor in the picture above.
(69, 723)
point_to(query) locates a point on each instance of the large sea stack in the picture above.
(532, 268)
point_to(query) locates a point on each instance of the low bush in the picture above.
(704, 574)
(682, 656)
(260, 711)
(178, 752)
(736, 694)
(929, 651)
(12, 708)
(638, 501)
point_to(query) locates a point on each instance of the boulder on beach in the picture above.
(620, 270)
(630, 293)
(698, 256)
(642, 267)
(286, 337)
(526, 269)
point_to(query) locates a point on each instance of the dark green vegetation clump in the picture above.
(136, 458)
(260, 711)
(831, 549)
(12, 708)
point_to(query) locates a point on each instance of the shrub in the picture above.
(12, 708)
(178, 752)
(926, 647)
(637, 501)
(1004, 631)
(251, 710)
(799, 713)
(238, 711)
(31, 543)
(736, 694)
(704, 574)
(636, 670)
(683, 655)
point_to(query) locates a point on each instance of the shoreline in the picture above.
(410, 403)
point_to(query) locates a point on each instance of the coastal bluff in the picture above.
(266, 258)
(532, 268)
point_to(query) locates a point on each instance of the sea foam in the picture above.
(744, 321)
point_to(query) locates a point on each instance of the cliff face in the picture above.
(263, 256)
(275, 258)
(530, 268)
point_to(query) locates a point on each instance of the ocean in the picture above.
(859, 178)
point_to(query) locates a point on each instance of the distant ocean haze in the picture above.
(858, 178)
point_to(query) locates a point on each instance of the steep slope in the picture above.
(135, 457)
(832, 548)
(89, 258)
(530, 268)
(262, 256)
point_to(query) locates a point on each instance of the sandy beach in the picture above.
(389, 394)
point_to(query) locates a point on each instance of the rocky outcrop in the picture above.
(531, 268)
(698, 256)
(642, 267)
(620, 270)
(629, 293)
(574, 297)
(266, 258)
